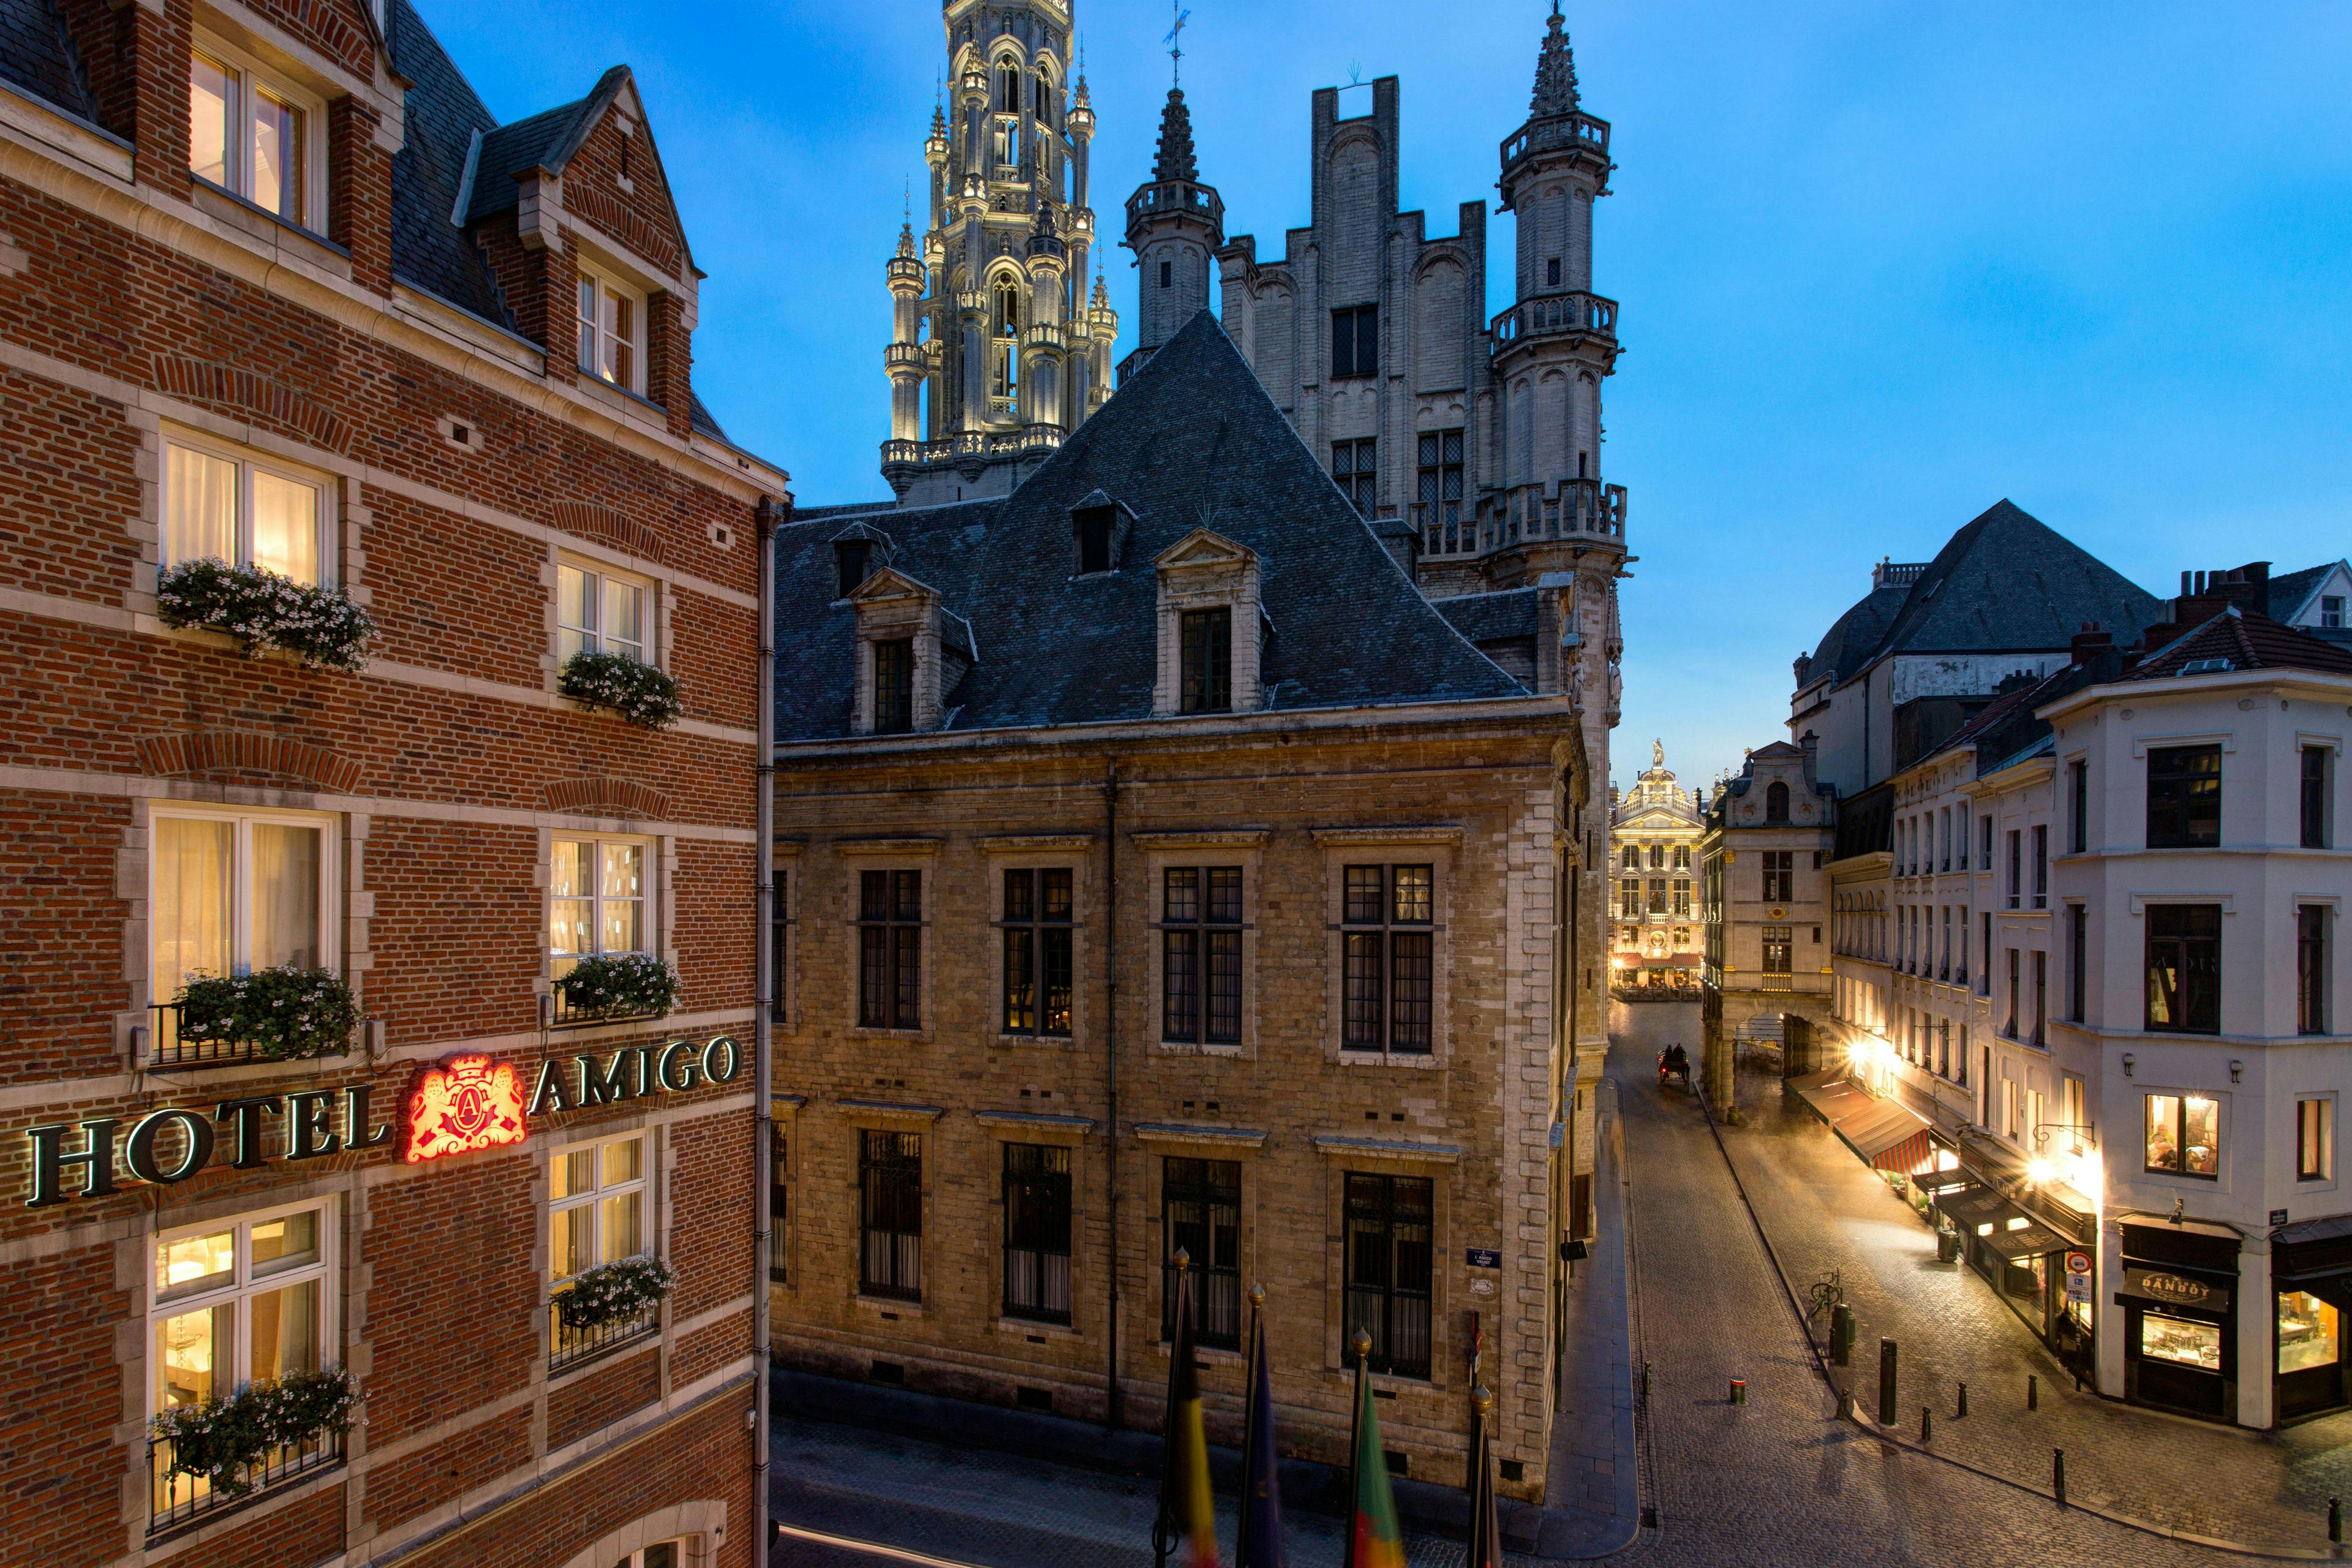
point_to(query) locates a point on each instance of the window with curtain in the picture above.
(1389, 1256)
(231, 893)
(1038, 1232)
(2184, 1134)
(610, 329)
(1201, 1216)
(890, 1214)
(221, 503)
(1388, 914)
(597, 1205)
(601, 611)
(252, 133)
(1201, 955)
(596, 899)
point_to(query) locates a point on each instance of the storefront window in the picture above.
(2178, 1340)
(2184, 1134)
(2308, 1332)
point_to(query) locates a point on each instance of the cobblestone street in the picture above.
(1780, 1480)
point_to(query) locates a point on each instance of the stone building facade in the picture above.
(277, 291)
(1764, 897)
(1162, 870)
(997, 352)
(1654, 840)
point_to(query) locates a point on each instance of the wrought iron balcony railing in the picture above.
(180, 1501)
(569, 1347)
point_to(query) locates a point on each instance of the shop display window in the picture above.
(2309, 1332)
(2180, 1341)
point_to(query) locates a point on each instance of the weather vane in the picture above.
(1176, 42)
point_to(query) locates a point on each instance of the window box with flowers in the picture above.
(606, 987)
(211, 1454)
(605, 1307)
(615, 681)
(287, 1013)
(266, 612)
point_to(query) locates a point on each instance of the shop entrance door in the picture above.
(2311, 1372)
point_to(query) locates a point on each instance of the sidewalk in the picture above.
(1824, 1209)
(1591, 1506)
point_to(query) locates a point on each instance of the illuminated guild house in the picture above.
(305, 1109)
(1653, 937)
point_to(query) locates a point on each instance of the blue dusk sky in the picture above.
(1880, 264)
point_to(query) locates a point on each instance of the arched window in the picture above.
(1008, 88)
(1007, 313)
(1776, 802)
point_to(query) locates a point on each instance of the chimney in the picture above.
(2204, 594)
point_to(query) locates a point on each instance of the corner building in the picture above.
(277, 291)
(1160, 870)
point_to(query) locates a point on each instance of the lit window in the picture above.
(251, 134)
(233, 892)
(2315, 1139)
(599, 612)
(597, 899)
(609, 316)
(2184, 1134)
(219, 504)
(597, 1205)
(240, 1302)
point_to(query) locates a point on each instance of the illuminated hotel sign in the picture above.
(170, 1145)
(469, 1103)
(634, 1071)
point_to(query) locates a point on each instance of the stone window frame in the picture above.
(1072, 852)
(328, 1202)
(581, 557)
(250, 457)
(1164, 850)
(1075, 1133)
(858, 1118)
(1163, 1142)
(785, 1109)
(661, 910)
(591, 270)
(1206, 571)
(332, 853)
(891, 606)
(889, 855)
(653, 1181)
(303, 89)
(1342, 1154)
(785, 863)
(700, 1525)
(1440, 846)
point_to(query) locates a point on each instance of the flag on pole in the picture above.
(1186, 1512)
(1259, 1544)
(1486, 1521)
(1374, 1539)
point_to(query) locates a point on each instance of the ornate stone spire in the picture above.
(1175, 160)
(1555, 72)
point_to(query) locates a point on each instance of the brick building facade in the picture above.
(1160, 870)
(277, 290)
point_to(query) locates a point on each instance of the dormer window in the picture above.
(611, 319)
(254, 136)
(850, 565)
(1094, 526)
(1208, 657)
(894, 686)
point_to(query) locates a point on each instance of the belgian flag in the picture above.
(1374, 1538)
(1186, 1514)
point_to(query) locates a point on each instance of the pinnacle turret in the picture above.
(1175, 159)
(1555, 72)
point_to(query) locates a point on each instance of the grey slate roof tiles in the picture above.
(2008, 581)
(444, 113)
(1192, 440)
(36, 56)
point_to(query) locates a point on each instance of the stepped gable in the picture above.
(2009, 581)
(36, 56)
(1192, 441)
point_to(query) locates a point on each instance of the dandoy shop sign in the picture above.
(456, 1107)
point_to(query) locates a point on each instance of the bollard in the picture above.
(2058, 1475)
(2033, 1392)
(1962, 1413)
(2334, 1521)
(1886, 1406)
(1926, 1424)
(1841, 1334)
(1738, 1391)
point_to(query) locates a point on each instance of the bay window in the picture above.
(222, 503)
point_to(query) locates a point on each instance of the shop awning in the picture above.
(1942, 1182)
(1886, 1136)
(1968, 1210)
(2030, 1242)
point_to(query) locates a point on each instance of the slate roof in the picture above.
(1190, 441)
(2247, 641)
(2290, 591)
(1491, 618)
(36, 56)
(2005, 581)
(444, 114)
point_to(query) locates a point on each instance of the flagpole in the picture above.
(1164, 1523)
(1249, 1425)
(1485, 1550)
(1361, 1343)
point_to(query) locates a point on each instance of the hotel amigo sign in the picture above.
(456, 1107)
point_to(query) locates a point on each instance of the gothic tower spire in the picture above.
(1555, 72)
(1175, 226)
(995, 354)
